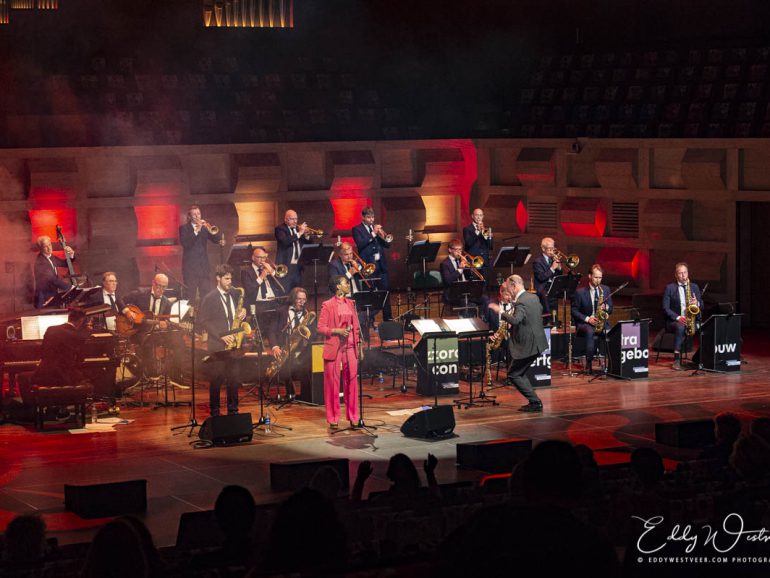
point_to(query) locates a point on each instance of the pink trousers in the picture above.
(348, 359)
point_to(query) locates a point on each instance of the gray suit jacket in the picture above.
(527, 337)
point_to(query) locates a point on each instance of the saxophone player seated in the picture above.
(682, 305)
(591, 306)
(283, 332)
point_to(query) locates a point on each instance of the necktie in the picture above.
(596, 299)
(295, 244)
(226, 299)
(263, 288)
(112, 301)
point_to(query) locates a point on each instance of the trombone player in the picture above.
(371, 242)
(194, 237)
(346, 264)
(682, 304)
(457, 267)
(262, 285)
(544, 269)
(477, 240)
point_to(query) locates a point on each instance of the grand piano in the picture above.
(19, 354)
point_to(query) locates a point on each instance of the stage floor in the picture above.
(612, 417)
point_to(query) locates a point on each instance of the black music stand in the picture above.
(480, 329)
(514, 257)
(65, 299)
(192, 315)
(313, 253)
(465, 291)
(370, 301)
(564, 287)
(422, 253)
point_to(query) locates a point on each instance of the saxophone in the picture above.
(601, 313)
(494, 342)
(691, 311)
(239, 328)
(300, 336)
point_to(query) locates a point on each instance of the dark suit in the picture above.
(98, 299)
(195, 259)
(60, 357)
(542, 274)
(337, 267)
(450, 275)
(299, 365)
(582, 309)
(252, 287)
(284, 254)
(672, 307)
(477, 245)
(526, 341)
(148, 337)
(213, 319)
(47, 282)
(367, 246)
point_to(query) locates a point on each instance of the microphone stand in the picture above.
(192, 423)
(262, 421)
(361, 423)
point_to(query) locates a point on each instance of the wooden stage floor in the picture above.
(612, 417)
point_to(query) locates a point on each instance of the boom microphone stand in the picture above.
(192, 423)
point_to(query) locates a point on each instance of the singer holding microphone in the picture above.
(339, 325)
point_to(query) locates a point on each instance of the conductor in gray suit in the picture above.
(526, 339)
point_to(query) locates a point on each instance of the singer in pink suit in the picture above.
(339, 325)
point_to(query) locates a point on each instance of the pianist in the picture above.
(60, 357)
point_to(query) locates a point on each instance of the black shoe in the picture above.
(677, 366)
(509, 381)
(532, 408)
(589, 370)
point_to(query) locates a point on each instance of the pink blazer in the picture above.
(330, 319)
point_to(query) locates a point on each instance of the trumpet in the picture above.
(317, 233)
(387, 237)
(486, 232)
(212, 229)
(571, 260)
(474, 263)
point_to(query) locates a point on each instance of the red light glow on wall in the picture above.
(621, 261)
(44, 221)
(522, 216)
(584, 221)
(347, 212)
(157, 221)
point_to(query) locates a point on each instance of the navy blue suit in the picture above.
(541, 270)
(477, 245)
(337, 267)
(47, 282)
(284, 252)
(582, 309)
(451, 275)
(367, 246)
(195, 259)
(672, 307)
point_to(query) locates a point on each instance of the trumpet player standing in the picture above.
(194, 237)
(478, 240)
(290, 237)
(586, 306)
(371, 242)
(681, 306)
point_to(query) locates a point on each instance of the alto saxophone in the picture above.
(691, 311)
(239, 328)
(494, 342)
(300, 336)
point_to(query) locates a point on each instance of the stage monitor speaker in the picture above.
(106, 500)
(685, 434)
(297, 474)
(434, 422)
(493, 456)
(224, 430)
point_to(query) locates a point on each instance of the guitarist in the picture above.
(47, 281)
(109, 296)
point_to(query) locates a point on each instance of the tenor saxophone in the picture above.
(601, 313)
(239, 328)
(691, 311)
(300, 336)
(494, 342)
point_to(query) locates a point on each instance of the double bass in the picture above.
(70, 269)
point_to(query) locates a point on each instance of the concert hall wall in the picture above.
(637, 206)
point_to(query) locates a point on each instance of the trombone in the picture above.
(571, 260)
(317, 233)
(279, 271)
(364, 269)
(474, 263)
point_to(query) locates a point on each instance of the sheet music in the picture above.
(36, 326)
(460, 325)
(426, 326)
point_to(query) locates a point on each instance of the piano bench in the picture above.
(44, 396)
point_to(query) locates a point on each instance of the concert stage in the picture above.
(611, 416)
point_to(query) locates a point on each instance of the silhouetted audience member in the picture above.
(751, 457)
(539, 535)
(234, 511)
(306, 537)
(727, 428)
(327, 482)
(648, 467)
(123, 548)
(592, 486)
(25, 542)
(403, 475)
(761, 427)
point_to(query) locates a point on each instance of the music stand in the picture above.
(466, 291)
(471, 328)
(313, 253)
(514, 257)
(422, 253)
(565, 287)
(63, 300)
